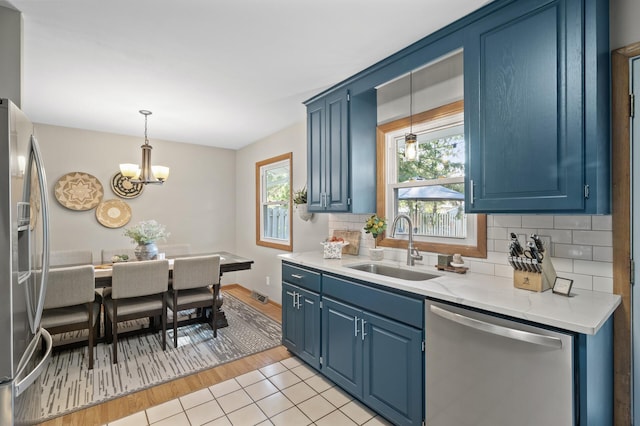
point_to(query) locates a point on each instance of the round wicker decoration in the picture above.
(79, 191)
(123, 187)
(113, 213)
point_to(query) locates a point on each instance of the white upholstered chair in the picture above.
(193, 279)
(138, 290)
(70, 303)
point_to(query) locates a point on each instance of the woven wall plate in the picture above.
(113, 213)
(79, 191)
(123, 187)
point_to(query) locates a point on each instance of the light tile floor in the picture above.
(285, 393)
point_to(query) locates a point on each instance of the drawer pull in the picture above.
(298, 277)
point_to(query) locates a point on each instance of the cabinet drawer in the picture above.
(392, 305)
(304, 278)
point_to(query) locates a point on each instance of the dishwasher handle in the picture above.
(510, 333)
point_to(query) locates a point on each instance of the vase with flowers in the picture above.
(375, 226)
(146, 234)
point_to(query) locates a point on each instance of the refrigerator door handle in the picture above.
(44, 202)
(510, 333)
(35, 373)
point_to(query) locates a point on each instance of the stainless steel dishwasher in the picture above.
(486, 370)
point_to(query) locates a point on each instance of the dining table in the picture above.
(229, 262)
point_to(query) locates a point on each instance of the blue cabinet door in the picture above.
(342, 345)
(290, 321)
(301, 323)
(525, 112)
(328, 153)
(309, 337)
(393, 369)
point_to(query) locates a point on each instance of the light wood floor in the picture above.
(132, 403)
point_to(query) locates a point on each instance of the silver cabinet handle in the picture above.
(355, 326)
(471, 195)
(296, 276)
(510, 333)
(35, 373)
(362, 325)
(298, 305)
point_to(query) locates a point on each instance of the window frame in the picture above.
(260, 166)
(478, 250)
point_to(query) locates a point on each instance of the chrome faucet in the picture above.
(412, 253)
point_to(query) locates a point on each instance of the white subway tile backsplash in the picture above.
(563, 236)
(562, 265)
(600, 269)
(537, 221)
(504, 271)
(603, 254)
(497, 233)
(580, 245)
(572, 251)
(603, 284)
(507, 221)
(572, 222)
(601, 223)
(594, 238)
(584, 282)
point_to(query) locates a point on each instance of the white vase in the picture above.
(376, 253)
(303, 212)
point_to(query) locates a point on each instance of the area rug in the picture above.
(68, 385)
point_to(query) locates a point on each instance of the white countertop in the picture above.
(583, 312)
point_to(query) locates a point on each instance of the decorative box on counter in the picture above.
(333, 249)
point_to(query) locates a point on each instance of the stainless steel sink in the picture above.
(394, 272)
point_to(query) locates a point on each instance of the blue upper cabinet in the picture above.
(536, 96)
(536, 108)
(341, 144)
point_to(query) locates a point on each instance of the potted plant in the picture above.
(145, 234)
(300, 200)
(375, 226)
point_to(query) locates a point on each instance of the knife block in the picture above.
(536, 281)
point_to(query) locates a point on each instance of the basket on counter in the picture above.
(333, 249)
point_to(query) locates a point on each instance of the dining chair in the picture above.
(138, 290)
(71, 303)
(194, 286)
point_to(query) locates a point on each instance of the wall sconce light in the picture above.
(147, 173)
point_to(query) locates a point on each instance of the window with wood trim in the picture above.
(429, 189)
(273, 202)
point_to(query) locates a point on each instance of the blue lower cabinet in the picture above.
(376, 359)
(301, 323)
(342, 345)
(393, 366)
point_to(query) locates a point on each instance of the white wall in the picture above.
(624, 26)
(197, 203)
(11, 54)
(306, 235)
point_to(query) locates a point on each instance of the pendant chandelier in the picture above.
(147, 173)
(410, 139)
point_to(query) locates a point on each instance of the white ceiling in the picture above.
(221, 73)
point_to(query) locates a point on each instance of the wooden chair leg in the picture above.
(175, 318)
(90, 329)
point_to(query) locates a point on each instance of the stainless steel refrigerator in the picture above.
(24, 262)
